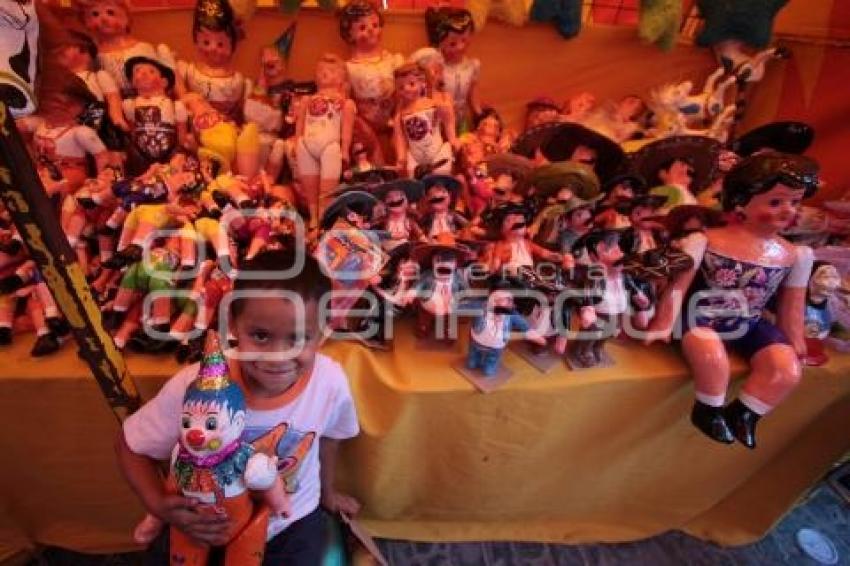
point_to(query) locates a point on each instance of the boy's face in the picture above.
(277, 342)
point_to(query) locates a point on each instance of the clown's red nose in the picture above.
(195, 438)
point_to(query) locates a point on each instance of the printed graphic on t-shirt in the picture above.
(290, 446)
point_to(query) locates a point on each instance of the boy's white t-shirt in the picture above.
(324, 408)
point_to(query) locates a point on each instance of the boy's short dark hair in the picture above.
(310, 283)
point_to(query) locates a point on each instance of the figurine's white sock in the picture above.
(711, 400)
(755, 405)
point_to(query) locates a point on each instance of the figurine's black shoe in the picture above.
(711, 422)
(5, 336)
(59, 326)
(112, 320)
(11, 284)
(742, 420)
(45, 345)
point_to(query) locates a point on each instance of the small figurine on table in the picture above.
(618, 192)
(515, 249)
(439, 216)
(399, 222)
(823, 286)
(645, 231)
(214, 466)
(491, 331)
(424, 130)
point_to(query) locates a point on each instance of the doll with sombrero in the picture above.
(514, 247)
(438, 214)
(678, 167)
(157, 123)
(399, 222)
(217, 26)
(644, 231)
(441, 281)
(618, 192)
(552, 186)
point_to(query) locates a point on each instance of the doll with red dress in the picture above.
(743, 266)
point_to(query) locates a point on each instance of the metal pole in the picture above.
(37, 222)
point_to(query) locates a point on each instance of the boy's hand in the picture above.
(196, 520)
(335, 502)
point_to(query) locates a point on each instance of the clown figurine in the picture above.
(420, 124)
(744, 265)
(450, 31)
(323, 134)
(214, 466)
(822, 287)
(216, 28)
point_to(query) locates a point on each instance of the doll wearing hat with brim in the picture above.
(617, 194)
(438, 213)
(514, 248)
(678, 167)
(157, 122)
(498, 178)
(399, 222)
(560, 181)
(784, 137)
(574, 142)
(644, 232)
(559, 225)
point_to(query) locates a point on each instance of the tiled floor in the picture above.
(822, 510)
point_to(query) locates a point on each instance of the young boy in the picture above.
(299, 408)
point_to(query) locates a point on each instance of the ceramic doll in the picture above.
(19, 42)
(743, 266)
(556, 186)
(499, 179)
(612, 212)
(822, 287)
(491, 331)
(62, 144)
(450, 30)
(541, 110)
(370, 67)
(431, 60)
(645, 231)
(212, 464)
(215, 32)
(579, 108)
(612, 297)
(158, 123)
(399, 221)
(12, 256)
(439, 286)
(515, 249)
(323, 134)
(78, 53)
(439, 216)
(108, 23)
(424, 132)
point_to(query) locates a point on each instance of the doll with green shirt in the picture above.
(299, 408)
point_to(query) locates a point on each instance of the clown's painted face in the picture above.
(19, 49)
(274, 66)
(207, 427)
(825, 281)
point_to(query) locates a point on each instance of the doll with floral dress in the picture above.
(108, 23)
(450, 30)
(323, 134)
(738, 269)
(424, 128)
(370, 69)
(215, 32)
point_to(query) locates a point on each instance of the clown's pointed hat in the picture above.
(213, 373)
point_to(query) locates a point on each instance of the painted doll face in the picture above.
(207, 427)
(438, 198)
(106, 20)
(366, 32)
(214, 47)
(621, 192)
(278, 341)
(444, 265)
(775, 209)
(396, 201)
(680, 173)
(582, 103)
(147, 79)
(410, 87)
(514, 226)
(609, 253)
(330, 75)
(454, 46)
(825, 281)
(274, 66)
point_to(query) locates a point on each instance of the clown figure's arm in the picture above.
(790, 308)
(261, 475)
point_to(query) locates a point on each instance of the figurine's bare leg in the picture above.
(274, 163)
(331, 170)
(709, 362)
(188, 246)
(775, 372)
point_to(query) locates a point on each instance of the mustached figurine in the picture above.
(213, 465)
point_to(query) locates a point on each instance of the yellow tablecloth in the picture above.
(599, 455)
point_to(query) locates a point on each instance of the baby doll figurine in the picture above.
(158, 123)
(213, 465)
(370, 67)
(108, 23)
(744, 265)
(215, 33)
(823, 285)
(323, 134)
(450, 30)
(78, 54)
(420, 124)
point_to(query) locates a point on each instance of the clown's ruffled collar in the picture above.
(196, 473)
